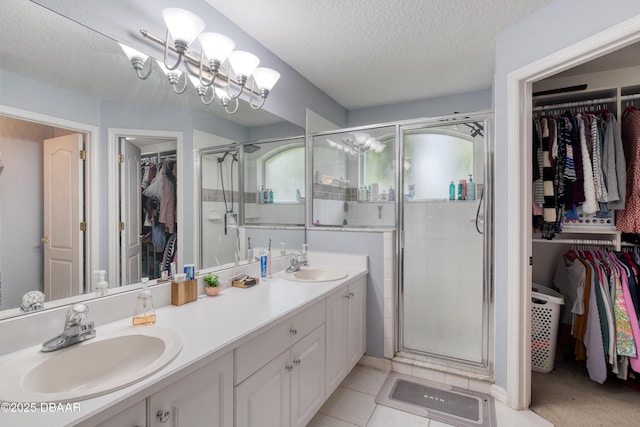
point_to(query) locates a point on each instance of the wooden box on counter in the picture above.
(184, 292)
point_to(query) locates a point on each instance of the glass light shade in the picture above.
(265, 78)
(361, 137)
(216, 46)
(243, 63)
(132, 53)
(166, 71)
(369, 142)
(182, 24)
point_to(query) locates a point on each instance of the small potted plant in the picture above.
(211, 284)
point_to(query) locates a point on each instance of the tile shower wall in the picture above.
(443, 279)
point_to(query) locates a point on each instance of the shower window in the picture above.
(274, 182)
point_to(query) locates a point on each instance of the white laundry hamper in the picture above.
(545, 318)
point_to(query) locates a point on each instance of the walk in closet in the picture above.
(158, 231)
(586, 225)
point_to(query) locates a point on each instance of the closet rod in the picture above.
(578, 242)
(576, 104)
(630, 97)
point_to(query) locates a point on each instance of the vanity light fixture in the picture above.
(213, 71)
(358, 142)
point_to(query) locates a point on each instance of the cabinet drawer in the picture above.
(256, 353)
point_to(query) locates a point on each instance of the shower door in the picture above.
(444, 316)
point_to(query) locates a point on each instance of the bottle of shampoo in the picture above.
(471, 189)
(145, 313)
(392, 194)
(460, 190)
(452, 191)
(271, 196)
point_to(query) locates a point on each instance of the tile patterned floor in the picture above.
(353, 405)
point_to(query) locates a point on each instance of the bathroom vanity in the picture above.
(269, 355)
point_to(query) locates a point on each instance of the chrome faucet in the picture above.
(75, 330)
(299, 260)
(32, 301)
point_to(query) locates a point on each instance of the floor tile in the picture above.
(435, 423)
(384, 416)
(509, 417)
(324, 420)
(350, 406)
(365, 380)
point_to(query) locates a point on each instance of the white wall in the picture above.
(552, 28)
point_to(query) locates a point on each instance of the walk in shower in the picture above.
(444, 300)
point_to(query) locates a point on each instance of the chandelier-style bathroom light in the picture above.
(205, 70)
(355, 143)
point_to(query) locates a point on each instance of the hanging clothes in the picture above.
(601, 289)
(583, 167)
(628, 219)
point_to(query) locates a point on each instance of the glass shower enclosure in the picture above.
(445, 244)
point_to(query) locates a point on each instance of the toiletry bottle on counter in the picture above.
(263, 264)
(392, 194)
(145, 313)
(271, 196)
(460, 190)
(452, 191)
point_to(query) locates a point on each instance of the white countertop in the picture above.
(209, 327)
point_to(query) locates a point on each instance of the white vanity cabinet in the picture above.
(287, 391)
(346, 331)
(202, 398)
(133, 416)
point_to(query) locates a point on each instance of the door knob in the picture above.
(164, 416)
(45, 239)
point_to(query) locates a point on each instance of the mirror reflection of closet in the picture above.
(148, 195)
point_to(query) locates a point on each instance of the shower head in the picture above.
(250, 148)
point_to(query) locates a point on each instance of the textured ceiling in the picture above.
(367, 53)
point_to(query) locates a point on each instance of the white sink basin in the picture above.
(91, 368)
(314, 275)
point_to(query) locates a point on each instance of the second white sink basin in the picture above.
(91, 368)
(314, 275)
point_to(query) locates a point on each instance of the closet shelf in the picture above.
(616, 240)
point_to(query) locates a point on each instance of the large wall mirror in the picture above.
(61, 80)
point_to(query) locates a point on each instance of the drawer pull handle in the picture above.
(288, 368)
(293, 331)
(164, 416)
(296, 362)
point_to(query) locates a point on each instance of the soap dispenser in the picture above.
(471, 189)
(102, 285)
(145, 313)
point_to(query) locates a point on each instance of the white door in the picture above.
(357, 322)
(201, 399)
(336, 326)
(307, 377)
(130, 213)
(262, 400)
(63, 212)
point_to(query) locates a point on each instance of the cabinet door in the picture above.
(203, 398)
(357, 322)
(336, 343)
(134, 416)
(262, 400)
(307, 377)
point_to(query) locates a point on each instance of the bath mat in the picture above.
(441, 402)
